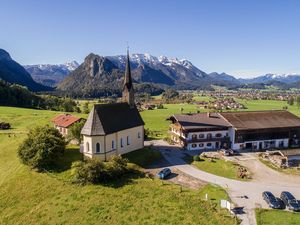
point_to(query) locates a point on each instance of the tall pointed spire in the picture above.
(128, 92)
(127, 80)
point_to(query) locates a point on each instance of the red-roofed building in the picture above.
(63, 122)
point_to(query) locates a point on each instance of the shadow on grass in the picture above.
(71, 155)
(126, 179)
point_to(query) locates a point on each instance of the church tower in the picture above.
(128, 92)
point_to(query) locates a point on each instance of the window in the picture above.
(139, 134)
(201, 145)
(209, 135)
(121, 143)
(87, 145)
(208, 144)
(97, 148)
(218, 135)
(201, 136)
(128, 140)
(194, 145)
(112, 144)
(194, 136)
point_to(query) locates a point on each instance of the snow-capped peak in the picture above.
(71, 65)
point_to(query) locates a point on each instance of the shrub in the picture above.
(42, 147)
(75, 131)
(94, 171)
(4, 126)
(196, 158)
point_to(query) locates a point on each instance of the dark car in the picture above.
(271, 200)
(290, 201)
(164, 173)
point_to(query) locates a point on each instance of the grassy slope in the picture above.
(276, 217)
(27, 197)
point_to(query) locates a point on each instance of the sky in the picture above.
(244, 38)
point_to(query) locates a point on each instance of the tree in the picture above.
(290, 101)
(170, 94)
(85, 108)
(298, 100)
(42, 148)
(75, 131)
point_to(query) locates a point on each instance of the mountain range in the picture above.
(51, 75)
(102, 75)
(13, 72)
(162, 70)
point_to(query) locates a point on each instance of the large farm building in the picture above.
(256, 130)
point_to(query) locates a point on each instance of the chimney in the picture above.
(208, 114)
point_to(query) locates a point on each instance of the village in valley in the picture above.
(139, 139)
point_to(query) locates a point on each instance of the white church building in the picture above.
(113, 129)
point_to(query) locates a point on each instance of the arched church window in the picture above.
(97, 148)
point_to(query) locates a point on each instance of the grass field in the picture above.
(218, 167)
(276, 217)
(28, 197)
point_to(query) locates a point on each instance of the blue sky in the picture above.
(243, 38)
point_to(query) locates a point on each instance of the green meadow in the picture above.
(276, 217)
(28, 197)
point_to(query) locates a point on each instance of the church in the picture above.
(113, 129)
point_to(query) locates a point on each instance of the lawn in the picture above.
(28, 197)
(276, 217)
(143, 157)
(218, 167)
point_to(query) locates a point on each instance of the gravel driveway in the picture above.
(264, 179)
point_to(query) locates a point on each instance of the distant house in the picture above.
(64, 121)
(115, 128)
(256, 130)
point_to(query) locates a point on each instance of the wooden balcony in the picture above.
(212, 139)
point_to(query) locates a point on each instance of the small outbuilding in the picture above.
(64, 121)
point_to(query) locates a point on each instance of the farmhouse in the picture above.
(114, 128)
(256, 130)
(63, 122)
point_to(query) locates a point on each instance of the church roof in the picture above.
(109, 118)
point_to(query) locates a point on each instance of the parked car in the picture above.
(164, 173)
(271, 200)
(291, 202)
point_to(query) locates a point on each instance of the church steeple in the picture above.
(128, 92)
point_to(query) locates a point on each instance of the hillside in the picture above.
(102, 76)
(98, 76)
(13, 72)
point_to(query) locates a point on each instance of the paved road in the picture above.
(264, 179)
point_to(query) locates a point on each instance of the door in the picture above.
(217, 144)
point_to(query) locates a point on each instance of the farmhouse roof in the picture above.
(200, 121)
(261, 119)
(65, 120)
(109, 118)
